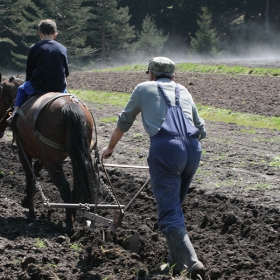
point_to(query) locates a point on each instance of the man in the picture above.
(171, 119)
(46, 66)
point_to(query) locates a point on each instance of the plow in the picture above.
(89, 211)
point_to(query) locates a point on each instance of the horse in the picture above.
(47, 129)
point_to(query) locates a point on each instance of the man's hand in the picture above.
(107, 152)
(115, 137)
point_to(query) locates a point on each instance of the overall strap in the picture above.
(164, 94)
(177, 95)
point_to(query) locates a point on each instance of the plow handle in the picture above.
(136, 195)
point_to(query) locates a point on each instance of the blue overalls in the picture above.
(174, 157)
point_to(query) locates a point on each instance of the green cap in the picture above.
(161, 64)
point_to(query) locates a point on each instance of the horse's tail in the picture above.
(84, 176)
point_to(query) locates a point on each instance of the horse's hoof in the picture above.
(70, 232)
(37, 168)
(25, 203)
(32, 215)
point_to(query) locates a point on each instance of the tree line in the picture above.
(101, 33)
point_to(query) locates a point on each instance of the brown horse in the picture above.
(49, 128)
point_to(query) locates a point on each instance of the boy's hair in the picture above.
(47, 27)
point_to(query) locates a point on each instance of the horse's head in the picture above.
(8, 91)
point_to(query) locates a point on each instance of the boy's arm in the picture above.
(66, 67)
(30, 64)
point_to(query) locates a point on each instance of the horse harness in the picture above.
(32, 123)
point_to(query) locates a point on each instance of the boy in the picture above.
(46, 67)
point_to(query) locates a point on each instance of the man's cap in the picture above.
(161, 64)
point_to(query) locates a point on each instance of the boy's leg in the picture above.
(11, 117)
(26, 89)
(16, 108)
(23, 91)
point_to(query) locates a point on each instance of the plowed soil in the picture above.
(231, 212)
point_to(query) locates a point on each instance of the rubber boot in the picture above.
(182, 255)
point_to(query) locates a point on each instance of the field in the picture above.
(231, 211)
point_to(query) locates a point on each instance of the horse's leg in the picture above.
(38, 167)
(28, 200)
(58, 178)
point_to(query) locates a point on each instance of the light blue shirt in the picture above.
(149, 100)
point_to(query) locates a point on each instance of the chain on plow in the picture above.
(112, 191)
(106, 187)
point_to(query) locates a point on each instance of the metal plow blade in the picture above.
(132, 243)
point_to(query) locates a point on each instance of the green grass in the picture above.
(109, 119)
(206, 112)
(276, 161)
(223, 69)
(53, 265)
(227, 116)
(250, 131)
(259, 186)
(138, 135)
(204, 68)
(135, 67)
(40, 243)
(75, 246)
(102, 97)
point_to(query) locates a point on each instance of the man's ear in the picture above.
(153, 76)
(150, 77)
(54, 35)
